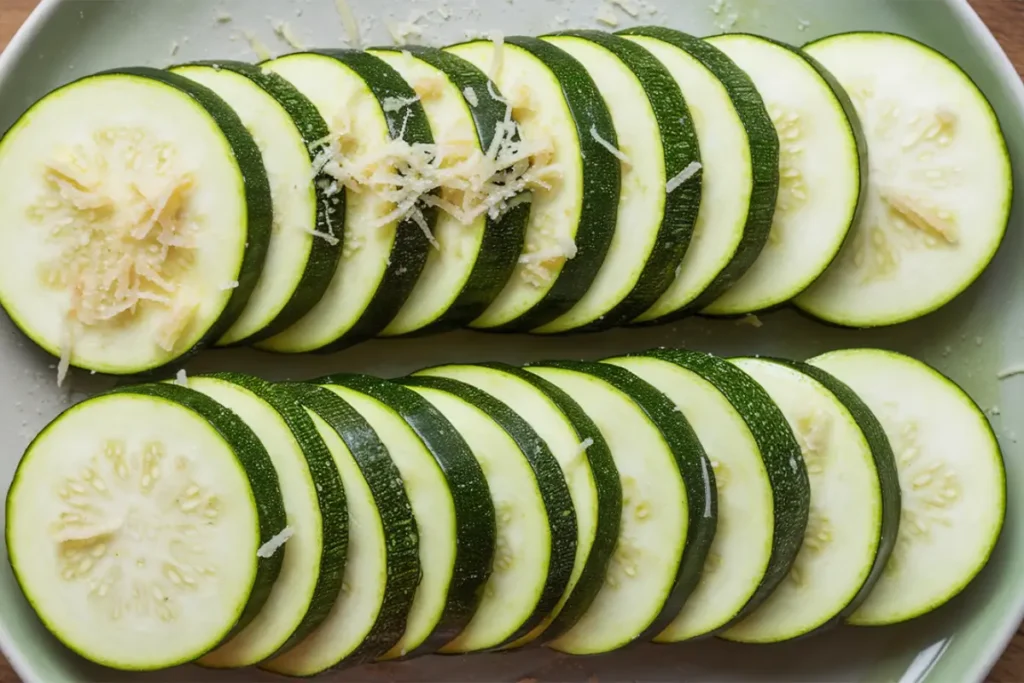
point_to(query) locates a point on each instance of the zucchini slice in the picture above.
(382, 567)
(137, 220)
(475, 256)
(941, 189)
(854, 512)
(317, 519)
(658, 144)
(454, 519)
(951, 474)
(535, 519)
(740, 180)
(555, 103)
(669, 508)
(134, 525)
(762, 497)
(286, 127)
(383, 251)
(822, 178)
(570, 436)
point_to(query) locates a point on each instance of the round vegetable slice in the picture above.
(854, 509)
(450, 501)
(762, 497)
(668, 506)
(477, 248)
(382, 565)
(951, 474)
(660, 172)
(560, 116)
(286, 127)
(941, 187)
(135, 222)
(316, 536)
(740, 180)
(134, 526)
(574, 441)
(384, 246)
(822, 178)
(536, 522)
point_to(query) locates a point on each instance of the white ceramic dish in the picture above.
(971, 340)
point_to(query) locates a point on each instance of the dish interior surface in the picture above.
(972, 340)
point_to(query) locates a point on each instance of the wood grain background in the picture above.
(1006, 19)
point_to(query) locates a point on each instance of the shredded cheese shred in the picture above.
(116, 210)
(456, 177)
(692, 169)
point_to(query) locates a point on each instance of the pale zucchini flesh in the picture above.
(377, 262)
(822, 171)
(142, 553)
(727, 183)
(295, 255)
(433, 508)
(742, 548)
(291, 599)
(450, 265)
(523, 547)
(844, 527)
(941, 188)
(553, 426)
(951, 474)
(109, 150)
(644, 177)
(654, 519)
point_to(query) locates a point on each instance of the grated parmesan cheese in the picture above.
(257, 46)
(393, 104)
(117, 211)
(470, 96)
(615, 151)
(229, 286)
(686, 174)
(626, 6)
(606, 15)
(457, 178)
(181, 379)
(751, 320)
(284, 31)
(270, 548)
(222, 17)
(586, 443)
(348, 21)
(1011, 371)
(498, 58)
(67, 344)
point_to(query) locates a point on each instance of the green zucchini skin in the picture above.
(474, 511)
(694, 466)
(609, 504)
(409, 253)
(764, 153)
(553, 488)
(260, 214)
(601, 181)
(323, 257)
(330, 497)
(791, 488)
(888, 477)
(679, 141)
(385, 482)
(258, 468)
(503, 238)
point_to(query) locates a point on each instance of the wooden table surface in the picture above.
(1006, 17)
